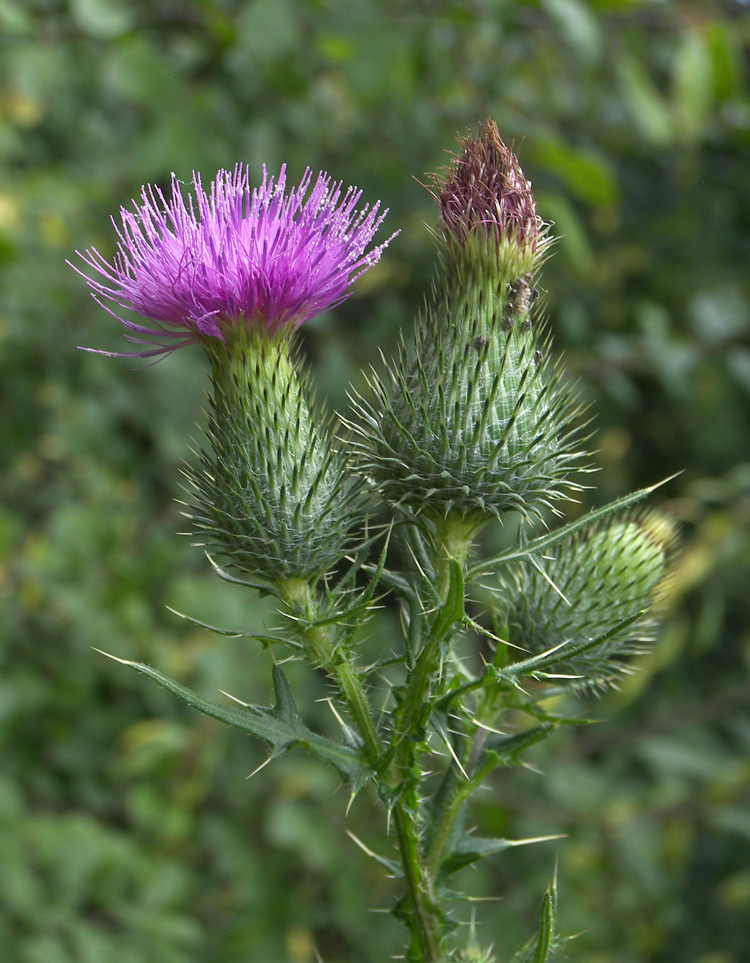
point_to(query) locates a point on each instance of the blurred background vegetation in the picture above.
(127, 830)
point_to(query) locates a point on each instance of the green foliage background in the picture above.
(127, 830)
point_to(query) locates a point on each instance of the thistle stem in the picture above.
(450, 812)
(298, 596)
(423, 922)
(452, 542)
(455, 797)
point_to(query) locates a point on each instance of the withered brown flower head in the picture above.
(485, 188)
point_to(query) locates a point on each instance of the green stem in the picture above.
(423, 923)
(452, 542)
(359, 708)
(450, 812)
(298, 596)
(453, 800)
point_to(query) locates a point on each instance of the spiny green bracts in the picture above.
(591, 584)
(273, 495)
(474, 954)
(476, 422)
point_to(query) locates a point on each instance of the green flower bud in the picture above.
(475, 422)
(475, 954)
(591, 584)
(273, 496)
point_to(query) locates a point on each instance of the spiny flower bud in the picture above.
(476, 954)
(591, 584)
(273, 496)
(475, 422)
(486, 196)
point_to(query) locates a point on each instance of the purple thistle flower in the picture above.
(255, 256)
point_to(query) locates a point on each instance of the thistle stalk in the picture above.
(300, 601)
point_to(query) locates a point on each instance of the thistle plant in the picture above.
(472, 424)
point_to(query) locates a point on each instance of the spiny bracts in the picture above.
(274, 495)
(475, 421)
(591, 584)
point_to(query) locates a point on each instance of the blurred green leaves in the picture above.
(79, 890)
(586, 176)
(102, 19)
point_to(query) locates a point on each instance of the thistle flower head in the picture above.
(591, 584)
(233, 255)
(485, 192)
(475, 422)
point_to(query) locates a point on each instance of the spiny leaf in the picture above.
(280, 727)
(508, 748)
(471, 848)
(537, 545)
(363, 604)
(561, 653)
(263, 587)
(265, 640)
(390, 865)
(546, 929)
(540, 948)
(285, 709)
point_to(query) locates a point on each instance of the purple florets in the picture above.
(235, 255)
